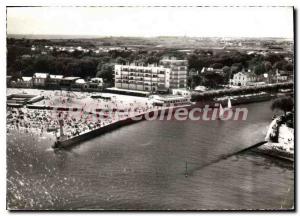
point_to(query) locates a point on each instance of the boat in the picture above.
(229, 104)
(221, 111)
(170, 100)
(243, 99)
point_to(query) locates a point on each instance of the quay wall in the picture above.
(247, 99)
(271, 88)
(75, 109)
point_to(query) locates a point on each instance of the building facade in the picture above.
(149, 78)
(178, 71)
(54, 81)
(169, 74)
(40, 79)
(242, 78)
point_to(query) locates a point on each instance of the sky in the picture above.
(152, 21)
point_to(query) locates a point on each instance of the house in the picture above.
(97, 80)
(210, 69)
(54, 81)
(182, 92)
(25, 82)
(242, 78)
(200, 88)
(95, 84)
(40, 79)
(79, 84)
(68, 82)
(283, 76)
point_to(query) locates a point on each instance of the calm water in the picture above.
(142, 166)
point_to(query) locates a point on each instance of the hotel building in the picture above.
(171, 73)
(142, 78)
(178, 75)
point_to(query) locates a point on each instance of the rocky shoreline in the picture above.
(280, 139)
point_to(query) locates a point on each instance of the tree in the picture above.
(268, 65)
(213, 80)
(285, 104)
(44, 63)
(120, 60)
(217, 65)
(272, 57)
(194, 81)
(106, 73)
(280, 64)
(260, 69)
(227, 72)
(288, 67)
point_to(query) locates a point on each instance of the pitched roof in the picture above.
(41, 75)
(56, 76)
(71, 78)
(80, 81)
(26, 79)
(96, 79)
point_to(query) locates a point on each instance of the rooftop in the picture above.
(80, 81)
(97, 79)
(56, 76)
(41, 75)
(71, 78)
(26, 79)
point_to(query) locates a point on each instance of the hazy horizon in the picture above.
(69, 36)
(220, 22)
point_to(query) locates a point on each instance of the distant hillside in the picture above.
(160, 41)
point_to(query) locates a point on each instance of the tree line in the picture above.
(23, 61)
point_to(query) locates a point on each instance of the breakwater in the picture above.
(67, 143)
(74, 109)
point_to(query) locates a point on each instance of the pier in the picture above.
(67, 143)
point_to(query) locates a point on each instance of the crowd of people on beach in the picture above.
(73, 123)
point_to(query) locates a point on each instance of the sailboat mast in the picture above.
(221, 111)
(229, 103)
(186, 173)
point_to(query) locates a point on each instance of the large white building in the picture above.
(178, 74)
(170, 74)
(142, 78)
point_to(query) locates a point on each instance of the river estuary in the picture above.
(142, 166)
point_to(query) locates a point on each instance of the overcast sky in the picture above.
(155, 21)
